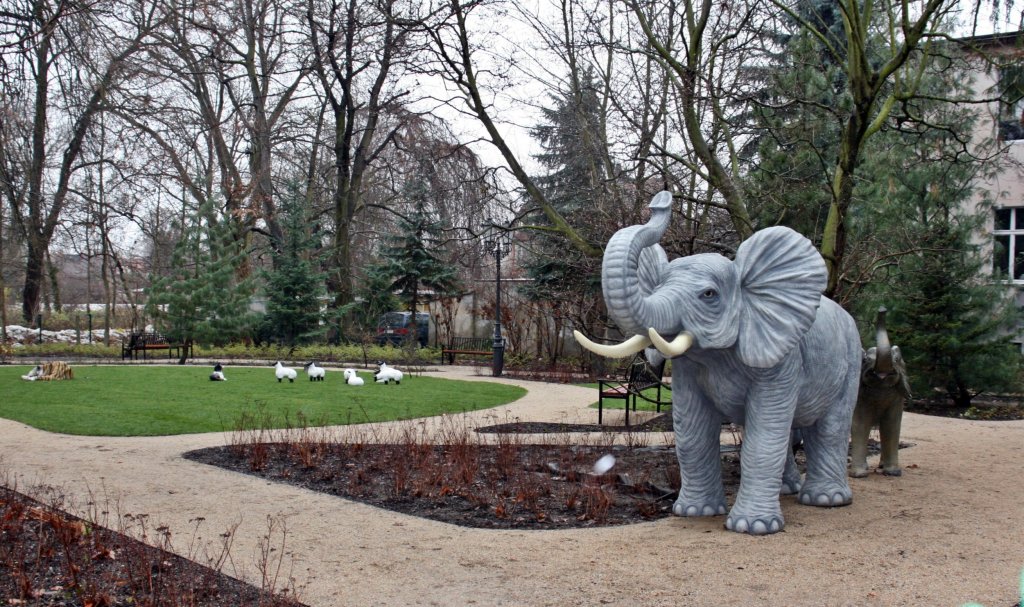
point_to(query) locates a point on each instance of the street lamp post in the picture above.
(496, 243)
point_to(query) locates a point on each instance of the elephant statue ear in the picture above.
(901, 369)
(652, 268)
(781, 278)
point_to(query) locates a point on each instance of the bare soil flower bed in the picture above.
(660, 423)
(990, 408)
(50, 558)
(505, 486)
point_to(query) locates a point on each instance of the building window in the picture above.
(1008, 243)
(1011, 104)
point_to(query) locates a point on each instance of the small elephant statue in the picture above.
(883, 391)
(752, 341)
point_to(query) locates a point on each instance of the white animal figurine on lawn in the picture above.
(352, 379)
(218, 373)
(283, 372)
(314, 372)
(387, 374)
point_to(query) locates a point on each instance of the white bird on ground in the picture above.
(387, 374)
(283, 372)
(218, 373)
(352, 379)
(315, 373)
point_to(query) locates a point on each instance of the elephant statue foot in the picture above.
(761, 525)
(863, 471)
(859, 472)
(790, 486)
(683, 508)
(826, 495)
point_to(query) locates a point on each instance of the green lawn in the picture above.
(153, 401)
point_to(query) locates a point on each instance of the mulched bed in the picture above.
(510, 486)
(50, 558)
(661, 423)
(988, 409)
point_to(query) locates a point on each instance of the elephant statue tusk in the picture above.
(627, 348)
(676, 347)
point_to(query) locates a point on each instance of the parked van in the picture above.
(396, 327)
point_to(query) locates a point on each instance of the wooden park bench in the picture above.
(141, 345)
(474, 346)
(640, 377)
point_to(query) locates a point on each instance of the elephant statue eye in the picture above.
(709, 294)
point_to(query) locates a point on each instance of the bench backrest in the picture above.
(139, 339)
(642, 376)
(471, 343)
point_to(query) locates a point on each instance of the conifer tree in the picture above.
(410, 258)
(201, 300)
(374, 298)
(910, 242)
(952, 321)
(575, 183)
(295, 285)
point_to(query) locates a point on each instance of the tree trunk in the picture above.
(3, 283)
(52, 275)
(33, 288)
(105, 275)
(340, 278)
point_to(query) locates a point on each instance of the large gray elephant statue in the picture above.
(751, 341)
(883, 390)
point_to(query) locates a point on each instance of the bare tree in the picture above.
(455, 60)
(876, 85)
(225, 77)
(66, 58)
(358, 51)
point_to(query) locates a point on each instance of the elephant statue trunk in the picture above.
(884, 388)
(633, 265)
(883, 349)
(625, 290)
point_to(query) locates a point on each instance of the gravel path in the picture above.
(949, 531)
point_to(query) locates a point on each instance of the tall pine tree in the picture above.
(576, 184)
(202, 300)
(295, 285)
(410, 258)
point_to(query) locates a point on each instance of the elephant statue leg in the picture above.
(698, 429)
(762, 463)
(826, 445)
(889, 430)
(862, 422)
(791, 480)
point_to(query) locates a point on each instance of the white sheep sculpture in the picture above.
(387, 374)
(352, 379)
(314, 372)
(282, 372)
(218, 373)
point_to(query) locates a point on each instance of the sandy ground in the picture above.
(948, 532)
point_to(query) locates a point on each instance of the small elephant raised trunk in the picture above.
(884, 389)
